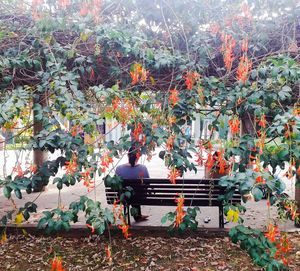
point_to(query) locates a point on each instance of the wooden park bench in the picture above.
(160, 192)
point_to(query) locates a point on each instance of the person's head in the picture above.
(133, 156)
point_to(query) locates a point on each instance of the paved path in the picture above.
(256, 215)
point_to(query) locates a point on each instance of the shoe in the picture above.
(141, 218)
(207, 219)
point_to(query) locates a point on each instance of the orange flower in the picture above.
(75, 130)
(19, 171)
(262, 121)
(125, 227)
(180, 213)
(32, 168)
(91, 227)
(87, 179)
(260, 179)
(116, 103)
(108, 253)
(227, 49)
(258, 168)
(190, 79)
(283, 247)
(170, 143)
(234, 125)
(173, 98)
(272, 233)
(106, 160)
(243, 69)
(222, 161)
(138, 73)
(209, 161)
(284, 244)
(138, 130)
(173, 174)
(292, 209)
(118, 214)
(172, 120)
(71, 166)
(84, 9)
(261, 143)
(57, 264)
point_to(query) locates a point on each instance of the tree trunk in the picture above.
(39, 156)
(247, 124)
(297, 197)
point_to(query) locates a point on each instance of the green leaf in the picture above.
(7, 191)
(18, 193)
(162, 154)
(257, 193)
(164, 219)
(42, 222)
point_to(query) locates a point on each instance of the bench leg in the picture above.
(221, 217)
(127, 213)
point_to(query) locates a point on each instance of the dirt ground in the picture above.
(140, 252)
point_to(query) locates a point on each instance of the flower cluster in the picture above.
(87, 179)
(119, 215)
(234, 125)
(190, 79)
(75, 130)
(122, 109)
(281, 242)
(180, 213)
(106, 160)
(108, 253)
(173, 175)
(57, 264)
(173, 98)
(138, 73)
(137, 132)
(227, 50)
(91, 7)
(243, 69)
(170, 143)
(71, 166)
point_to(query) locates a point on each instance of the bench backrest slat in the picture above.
(197, 192)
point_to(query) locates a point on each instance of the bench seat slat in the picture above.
(176, 191)
(111, 200)
(172, 186)
(167, 181)
(170, 202)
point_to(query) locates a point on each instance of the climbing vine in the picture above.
(69, 67)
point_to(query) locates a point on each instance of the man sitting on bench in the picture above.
(133, 170)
